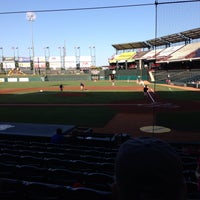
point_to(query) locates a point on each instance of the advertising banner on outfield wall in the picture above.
(54, 59)
(39, 65)
(70, 62)
(55, 65)
(8, 65)
(39, 59)
(70, 58)
(85, 61)
(24, 64)
(39, 62)
(24, 59)
(8, 59)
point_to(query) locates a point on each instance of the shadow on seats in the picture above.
(42, 191)
(90, 194)
(31, 160)
(100, 181)
(9, 158)
(56, 163)
(11, 189)
(7, 170)
(31, 173)
(64, 177)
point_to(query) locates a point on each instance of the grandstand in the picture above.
(178, 52)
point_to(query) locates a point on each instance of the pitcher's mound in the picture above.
(155, 129)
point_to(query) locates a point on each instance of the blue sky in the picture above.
(94, 27)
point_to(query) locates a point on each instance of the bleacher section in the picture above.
(170, 54)
(185, 53)
(75, 170)
(178, 77)
(179, 51)
(165, 54)
(151, 55)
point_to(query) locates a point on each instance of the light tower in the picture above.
(1, 65)
(77, 55)
(93, 55)
(30, 16)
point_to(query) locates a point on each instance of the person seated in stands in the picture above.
(58, 138)
(147, 168)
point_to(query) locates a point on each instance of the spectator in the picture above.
(147, 168)
(58, 138)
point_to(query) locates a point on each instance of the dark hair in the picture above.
(149, 168)
(59, 131)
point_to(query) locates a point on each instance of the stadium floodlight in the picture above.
(1, 55)
(29, 52)
(17, 48)
(30, 16)
(47, 53)
(61, 60)
(93, 55)
(1, 51)
(77, 55)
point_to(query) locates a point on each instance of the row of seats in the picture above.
(12, 189)
(189, 164)
(66, 145)
(69, 156)
(59, 176)
(80, 165)
(42, 148)
(95, 140)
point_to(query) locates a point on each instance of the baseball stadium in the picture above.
(98, 108)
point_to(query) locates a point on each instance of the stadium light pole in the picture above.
(17, 48)
(1, 57)
(64, 54)
(94, 48)
(61, 59)
(77, 54)
(29, 53)
(1, 52)
(13, 48)
(46, 55)
(48, 50)
(93, 55)
(30, 16)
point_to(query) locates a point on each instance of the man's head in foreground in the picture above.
(148, 168)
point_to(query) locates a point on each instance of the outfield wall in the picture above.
(132, 74)
(103, 75)
(21, 79)
(46, 78)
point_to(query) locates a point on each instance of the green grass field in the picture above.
(87, 116)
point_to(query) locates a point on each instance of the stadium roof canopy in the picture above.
(134, 45)
(185, 36)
